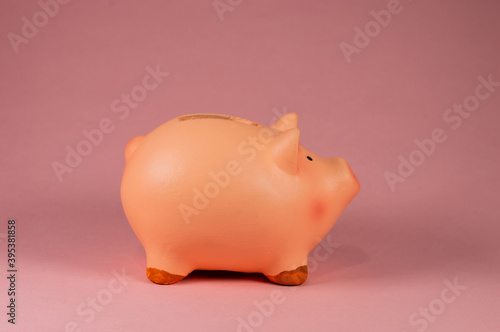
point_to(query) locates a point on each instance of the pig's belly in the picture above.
(245, 244)
(242, 259)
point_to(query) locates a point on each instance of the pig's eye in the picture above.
(309, 158)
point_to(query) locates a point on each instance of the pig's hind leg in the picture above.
(157, 267)
(162, 277)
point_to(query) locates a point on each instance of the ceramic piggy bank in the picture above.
(217, 192)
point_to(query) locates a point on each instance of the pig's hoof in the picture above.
(290, 278)
(162, 277)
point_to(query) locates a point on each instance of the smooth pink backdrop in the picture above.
(395, 249)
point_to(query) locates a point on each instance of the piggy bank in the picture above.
(218, 192)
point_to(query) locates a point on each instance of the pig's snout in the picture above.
(345, 177)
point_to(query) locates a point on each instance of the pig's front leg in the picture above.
(290, 278)
(293, 271)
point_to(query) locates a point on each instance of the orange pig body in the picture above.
(217, 192)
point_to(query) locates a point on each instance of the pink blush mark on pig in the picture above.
(318, 210)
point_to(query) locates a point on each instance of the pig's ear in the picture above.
(284, 149)
(287, 121)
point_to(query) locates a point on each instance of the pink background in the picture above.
(395, 249)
